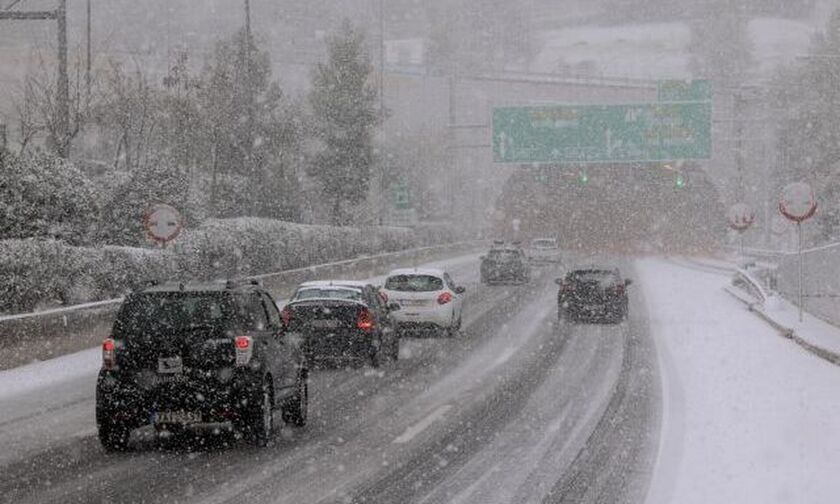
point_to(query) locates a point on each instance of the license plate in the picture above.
(170, 365)
(177, 417)
(324, 323)
(412, 302)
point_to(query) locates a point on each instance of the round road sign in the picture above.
(162, 222)
(798, 202)
(741, 217)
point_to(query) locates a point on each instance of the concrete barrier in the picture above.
(51, 333)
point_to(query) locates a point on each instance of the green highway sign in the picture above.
(602, 133)
(684, 90)
(402, 197)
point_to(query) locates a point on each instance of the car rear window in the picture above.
(602, 277)
(503, 255)
(414, 283)
(172, 311)
(328, 293)
(544, 244)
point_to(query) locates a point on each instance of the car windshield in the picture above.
(344, 293)
(173, 311)
(414, 283)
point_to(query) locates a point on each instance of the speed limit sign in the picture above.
(162, 223)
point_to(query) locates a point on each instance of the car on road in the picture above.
(184, 356)
(544, 251)
(430, 300)
(505, 263)
(593, 293)
(342, 321)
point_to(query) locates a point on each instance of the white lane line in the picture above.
(505, 356)
(422, 425)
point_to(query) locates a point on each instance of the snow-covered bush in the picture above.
(45, 197)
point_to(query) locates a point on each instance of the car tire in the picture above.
(259, 427)
(296, 409)
(395, 350)
(113, 436)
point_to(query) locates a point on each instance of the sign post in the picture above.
(741, 218)
(798, 203)
(163, 223)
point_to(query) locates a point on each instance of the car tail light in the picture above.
(383, 297)
(109, 354)
(619, 289)
(244, 350)
(567, 287)
(365, 321)
(286, 315)
(444, 298)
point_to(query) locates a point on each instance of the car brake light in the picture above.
(286, 315)
(244, 350)
(383, 297)
(109, 354)
(365, 320)
(619, 289)
(568, 287)
(444, 298)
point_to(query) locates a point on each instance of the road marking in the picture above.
(505, 356)
(422, 425)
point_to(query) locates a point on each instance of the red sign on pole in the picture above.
(162, 223)
(741, 217)
(798, 202)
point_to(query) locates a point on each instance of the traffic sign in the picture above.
(798, 202)
(162, 223)
(603, 133)
(684, 90)
(402, 197)
(741, 217)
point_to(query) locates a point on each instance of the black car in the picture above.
(505, 263)
(343, 321)
(184, 356)
(593, 294)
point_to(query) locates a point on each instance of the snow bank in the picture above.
(748, 417)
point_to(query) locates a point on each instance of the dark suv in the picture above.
(505, 263)
(183, 356)
(593, 293)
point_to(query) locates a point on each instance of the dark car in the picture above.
(342, 321)
(184, 356)
(593, 294)
(505, 263)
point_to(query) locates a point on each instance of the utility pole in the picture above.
(87, 59)
(62, 120)
(249, 90)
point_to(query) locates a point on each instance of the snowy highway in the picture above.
(519, 408)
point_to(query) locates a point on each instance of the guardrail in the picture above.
(744, 280)
(50, 333)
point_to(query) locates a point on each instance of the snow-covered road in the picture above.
(692, 400)
(748, 416)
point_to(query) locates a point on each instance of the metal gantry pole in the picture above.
(801, 275)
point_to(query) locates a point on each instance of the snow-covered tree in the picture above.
(343, 101)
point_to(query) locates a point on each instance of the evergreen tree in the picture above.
(343, 101)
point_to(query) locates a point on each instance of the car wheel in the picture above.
(296, 410)
(113, 436)
(395, 350)
(260, 421)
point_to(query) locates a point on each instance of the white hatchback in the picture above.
(428, 299)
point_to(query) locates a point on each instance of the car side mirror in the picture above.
(460, 290)
(392, 306)
(627, 282)
(483, 257)
(558, 281)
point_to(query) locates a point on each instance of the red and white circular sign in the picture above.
(798, 202)
(741, 217)
(162, 222)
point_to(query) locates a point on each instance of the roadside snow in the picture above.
(812, 330)
(47, 374)
(748, 417)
